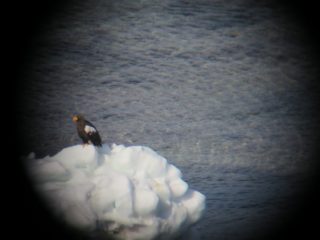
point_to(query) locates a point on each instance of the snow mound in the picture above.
(129, 192)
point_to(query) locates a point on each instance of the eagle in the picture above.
(87, 131)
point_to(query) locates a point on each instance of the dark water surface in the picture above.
(223, 89)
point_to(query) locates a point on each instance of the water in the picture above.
(223, 89)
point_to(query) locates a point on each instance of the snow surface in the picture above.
(130, 192)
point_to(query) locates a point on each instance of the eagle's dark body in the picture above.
(87, 131)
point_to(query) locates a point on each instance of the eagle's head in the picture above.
(77, 118)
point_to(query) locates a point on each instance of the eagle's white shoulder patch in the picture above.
(89, 129)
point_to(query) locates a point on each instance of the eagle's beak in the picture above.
(74, 118)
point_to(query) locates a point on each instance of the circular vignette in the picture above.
(33, 28)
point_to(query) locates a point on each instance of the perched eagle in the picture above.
(86, 131)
